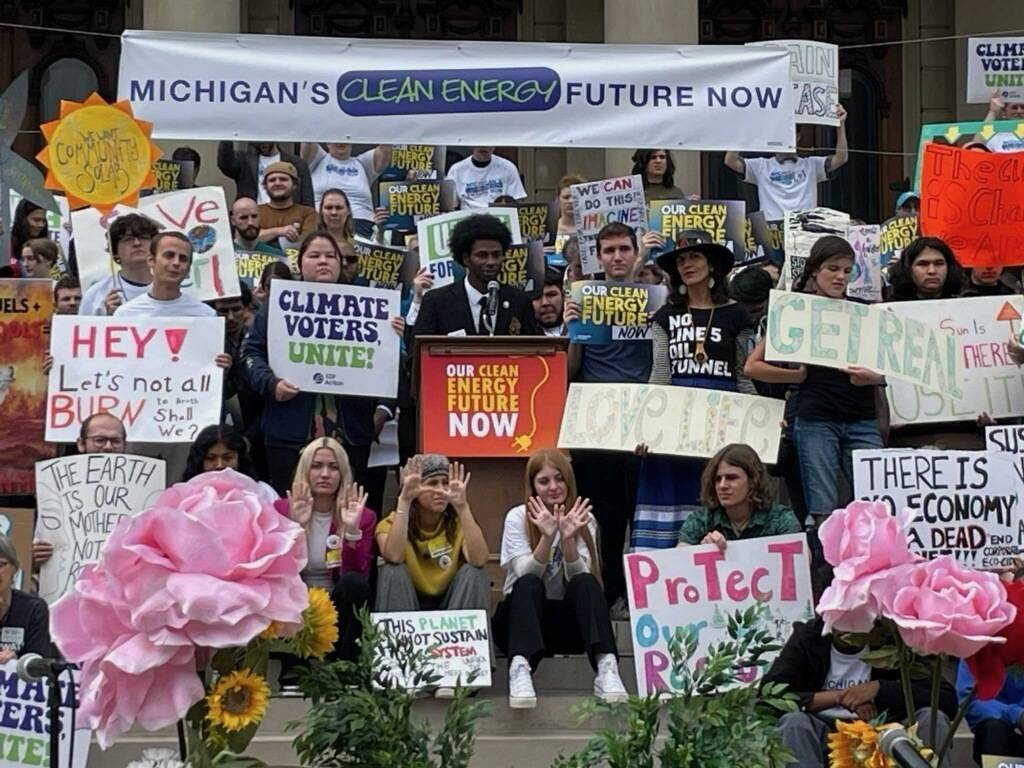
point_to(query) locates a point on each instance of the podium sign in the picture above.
(491, 405)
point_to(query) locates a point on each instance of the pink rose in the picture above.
(942, 607)
(853, 606)
(864, 538)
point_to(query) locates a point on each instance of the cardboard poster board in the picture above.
(458, 643)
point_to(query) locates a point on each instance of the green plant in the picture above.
(360, 716)
(713, 721)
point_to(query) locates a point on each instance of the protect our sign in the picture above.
(995, 65)
(457, 644)
(229, 86)
(814, 68)
(700, 588)
(597, 203)
(433, 235)
(816, 330)
(200, 213)
(81, 499)
(611, 311)
(992, 382)
(681, 421)
(967, 503)
(157, 375)
(24, 723)
(336, 339)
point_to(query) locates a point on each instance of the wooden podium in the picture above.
(489, 402)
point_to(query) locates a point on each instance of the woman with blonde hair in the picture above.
(554, 601)
(339, 533)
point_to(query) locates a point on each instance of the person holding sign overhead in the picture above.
(553, 597)
(700, 338)
(737, 498)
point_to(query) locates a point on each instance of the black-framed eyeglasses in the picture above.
(103, 441)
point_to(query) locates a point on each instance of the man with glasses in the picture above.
(130, 236)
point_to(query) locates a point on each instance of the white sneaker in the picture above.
(444, 693)
(608, 685)
(619, 610)
(520, 685)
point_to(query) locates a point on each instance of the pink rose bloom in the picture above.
(853, 606)
(942, 607)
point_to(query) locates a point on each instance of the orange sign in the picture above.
(98, 153)
(974, 201)
(491, 405)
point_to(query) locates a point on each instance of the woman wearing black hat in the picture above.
(699, 340)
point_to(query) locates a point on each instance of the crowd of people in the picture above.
(562, 546)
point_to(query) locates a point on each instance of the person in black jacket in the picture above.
(246, 168)
(291, 417)
(479, 244)
(24, 618)
(833, 683)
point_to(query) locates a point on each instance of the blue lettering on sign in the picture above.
(443, 91)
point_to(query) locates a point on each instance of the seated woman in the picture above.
(25, 618)
(554, 602)
(433, 549)
(339, 534)
(737, 502)
(218, 446)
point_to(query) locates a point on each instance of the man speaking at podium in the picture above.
(478, 305)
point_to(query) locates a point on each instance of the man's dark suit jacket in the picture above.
(244, 167)
(446, 310)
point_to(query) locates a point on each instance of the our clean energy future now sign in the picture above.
(217, 86)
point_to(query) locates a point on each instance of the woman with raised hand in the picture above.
(339, 534)
(554, 601)
(433, 549)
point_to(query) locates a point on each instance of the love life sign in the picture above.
(700, 587)
(816, 330)
(157, 375)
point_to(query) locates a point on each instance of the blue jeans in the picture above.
(825, 448)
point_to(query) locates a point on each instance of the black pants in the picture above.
(527, 624)
(996, 737)
(351, 593)
(788, 468)
(609, 480)
(282, 463)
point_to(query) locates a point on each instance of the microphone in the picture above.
(32, 667)
(896, 743)
(492, 303)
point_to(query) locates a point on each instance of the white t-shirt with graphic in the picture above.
(352, 176)
(845, 670)
(264, 162)
(478, 187)
(787, 186)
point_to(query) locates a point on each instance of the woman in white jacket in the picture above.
(553, 602)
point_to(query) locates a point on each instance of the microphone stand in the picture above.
(53, 705)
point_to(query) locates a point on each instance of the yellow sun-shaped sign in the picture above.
(98, 154)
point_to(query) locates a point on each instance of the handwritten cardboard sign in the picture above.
(816, 330)
(968, 503)
(200, 213)
(681, 421)
(992, 382)
(814, 69)
(457, 643)
(26, 307)
(612, 311)
(973, 200)
(433, 234)
(81, 499)
(157, 375)
(866, 278)
(596, 203)
(334, 338)
(997, 135)
(801, 230)
(24, 724)
(701, 587)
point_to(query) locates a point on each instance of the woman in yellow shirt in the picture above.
(434, 551)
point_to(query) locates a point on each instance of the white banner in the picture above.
(991, 382)
(814, 68)
(273, 87)
(24, 728)
(968, 503)
(457, 643)
(995, 64)
(817, 330)
(201, 213)
(597, 203)
(681, 421)
(157, 375)
(700, 587)
(433, 233)
(334, 338)
(80, 500)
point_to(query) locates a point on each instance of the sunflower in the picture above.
(272, 632)
(319, 630)
(238, 700)
(855, 745)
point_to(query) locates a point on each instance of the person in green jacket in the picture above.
(737, 502)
